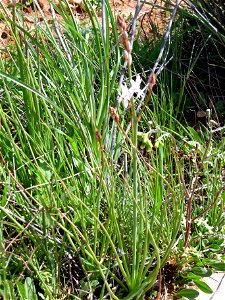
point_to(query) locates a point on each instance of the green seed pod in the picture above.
(142, 146)
(145, 138)
(148, 146)
(140, 136)
(158, 143)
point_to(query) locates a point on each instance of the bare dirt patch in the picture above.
(148, 17)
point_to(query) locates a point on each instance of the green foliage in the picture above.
(27, 290)
(203, 286)
(205, 21)
(188, 293)
(88, 210)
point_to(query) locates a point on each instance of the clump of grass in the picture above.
(78, 219)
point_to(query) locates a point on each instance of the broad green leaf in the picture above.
(196, 145)
(219, 266)
(194, 134)
(203, 286)
(30, 289)
(192, 276)
(200, 271)
(46, 172)
(215, 248)
(21, 290)
(219, 241)
(188, 293)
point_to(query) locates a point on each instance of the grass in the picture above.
(89, 211)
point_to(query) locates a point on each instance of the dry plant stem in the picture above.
(29, 262)
(151, 83)
(166, 38)
(160, 286)
(14, 240)
(22, 190)
(155, 67)
(133, 28)
(201, 16)
(189, 219)
(134, 21)
(188, 215)
(127, 46)
(41, 233)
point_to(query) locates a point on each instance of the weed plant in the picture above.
(89, 211)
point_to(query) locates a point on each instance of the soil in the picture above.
(149, 18)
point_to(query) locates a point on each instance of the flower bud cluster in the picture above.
(151, 82)
(114, 114)
(123, 39)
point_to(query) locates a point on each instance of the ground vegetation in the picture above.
(112, 160)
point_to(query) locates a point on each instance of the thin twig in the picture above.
(133, 28)
(157, 62)
(22, 190)
(138, 7)
(166, 38)
(158, 297)
(37, 229)
(191, 197)
(200, 15)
